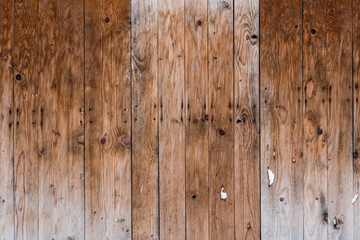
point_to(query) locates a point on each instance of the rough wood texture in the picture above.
(281, 119)
(6, 122)
(26, 120)
(60, 96)
(107, 120)
(171, 126)
(221, 131)
(356, 115)
(339, 77)
(246, 82)
(196, 120)
(315, 107)
(145, 108)
(164, 119)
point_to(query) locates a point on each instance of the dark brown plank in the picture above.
(26, 120)
(281, 119)
(221, 132)
(60, 96)
(246, 82)
(171, 126)
(196, 120)
(107, 120)
(6, 122)
(145, 105)
(315, 119)
(339, 77)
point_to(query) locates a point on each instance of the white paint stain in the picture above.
(355, 198)
(141, 188)
(274, 154)
(271, 176)
(223, 194)
(335, 222)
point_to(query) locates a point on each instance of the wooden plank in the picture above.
(171, 126)
(356, 116)
(6, 122)
(246, 83)
(26, 120)
(145, 104)
(196, 120)
(339, 76)
(281, 119)
(315, 119)
(221, 132)
(60, 96)
(107, 120)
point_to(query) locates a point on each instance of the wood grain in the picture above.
(339, 76)
(356, 115)
(315, 120)
(26, 120)
(281, 119)
(171, 126)
(221, 132)
(246, 120)
(145, 130)
(196, 120)
(107, 120)
(60, 96)
(7, 224)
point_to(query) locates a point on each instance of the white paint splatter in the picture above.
(335, 222)
(271, 176)
(274, 154)
(223, 194)
(355, 198)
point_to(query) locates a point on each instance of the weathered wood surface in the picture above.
(281, 119)
(107, 120)
(339, 136)
(246, 83)
(26, 120)
(315, 107)
(196, 120)
(221, 115)
(171, 125)
(6, 122)
(145, 120)
(166, 119)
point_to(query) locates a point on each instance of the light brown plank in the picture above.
(221, 132)
(196, 120)
(315, 120)
(246, 82)
(145, 104)
(26, 120)
(107, 120)
(6, 122)
(356, 114)
(281, 119)
(339, 76)
(171, 126)
(60, 96)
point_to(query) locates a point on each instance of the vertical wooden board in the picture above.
(315, 119)
(26, 120)
(145, 104)
(196, 120)
(107, 120)
(60, 96)
(281, 119)
(356, 116)
(171, 126)
(246, 83)
(339, 76)
(221, 131)
(6, 122)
